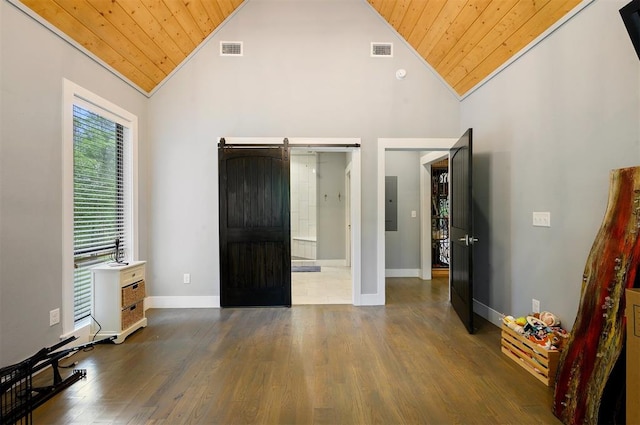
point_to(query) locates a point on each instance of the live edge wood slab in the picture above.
(591, 376)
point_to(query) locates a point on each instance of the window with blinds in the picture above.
(98, 199)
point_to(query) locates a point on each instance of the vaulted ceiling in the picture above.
(145, 40)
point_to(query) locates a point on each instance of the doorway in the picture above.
(438, 148)
(320, 262)
(351, 146)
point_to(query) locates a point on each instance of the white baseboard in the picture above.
(402, 273)
(487, 313)
(371, 299)
(83, 334)
(212, 301)
(332, 263)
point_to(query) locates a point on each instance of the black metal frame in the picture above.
(18, 396)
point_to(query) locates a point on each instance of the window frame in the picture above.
(74, 94)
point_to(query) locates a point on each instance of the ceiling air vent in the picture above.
(383, 50)
(231, 48)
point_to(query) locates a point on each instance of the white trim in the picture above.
(347, 218)
(434, 156)
(425, 211)
(212, 301)
(425, 221)
(402, 272)
(356, 226)
(331, 263)
(371, 299)
(83, 334)
(488, 313)
(385, 144)
(74, 94)
(356, 184)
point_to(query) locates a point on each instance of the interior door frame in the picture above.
(425, 211)
(332, 144)
(347, 193)
(396, 144)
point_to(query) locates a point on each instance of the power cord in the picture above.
(95, 334)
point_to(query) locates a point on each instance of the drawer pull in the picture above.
(134, 286)
(133, 307)
(133, 275)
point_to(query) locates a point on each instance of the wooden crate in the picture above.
(534, 358)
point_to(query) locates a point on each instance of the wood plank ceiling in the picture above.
(466, 40)
(145, 40)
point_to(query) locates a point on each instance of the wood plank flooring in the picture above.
(409, 362)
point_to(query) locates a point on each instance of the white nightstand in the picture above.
(118, 299)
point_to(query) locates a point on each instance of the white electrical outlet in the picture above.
(54, 317)
(535, 306)
(542, 219)
(186, 278)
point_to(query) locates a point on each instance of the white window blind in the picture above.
(99, 210)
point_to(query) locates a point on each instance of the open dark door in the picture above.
(255, 243)
(462, 240)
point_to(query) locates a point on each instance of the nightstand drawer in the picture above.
(132, 314)
(133, 293)
(131, 275)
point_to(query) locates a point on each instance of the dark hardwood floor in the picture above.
(409, 362)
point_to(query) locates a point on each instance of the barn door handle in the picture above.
(468, 240)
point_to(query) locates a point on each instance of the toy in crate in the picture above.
(534, 342)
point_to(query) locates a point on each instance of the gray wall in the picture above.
(402, 248)
(331, 210)
(306, 72)
(34, 62)
(547, 132)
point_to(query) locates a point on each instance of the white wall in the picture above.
(402, 247)
(547, 132)
(332, 209)
(306, 72)
(304, 205)
(34, 63)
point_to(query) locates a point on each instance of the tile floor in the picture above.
(332, 285)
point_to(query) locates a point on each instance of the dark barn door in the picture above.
(461, 211)
(255, 244)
